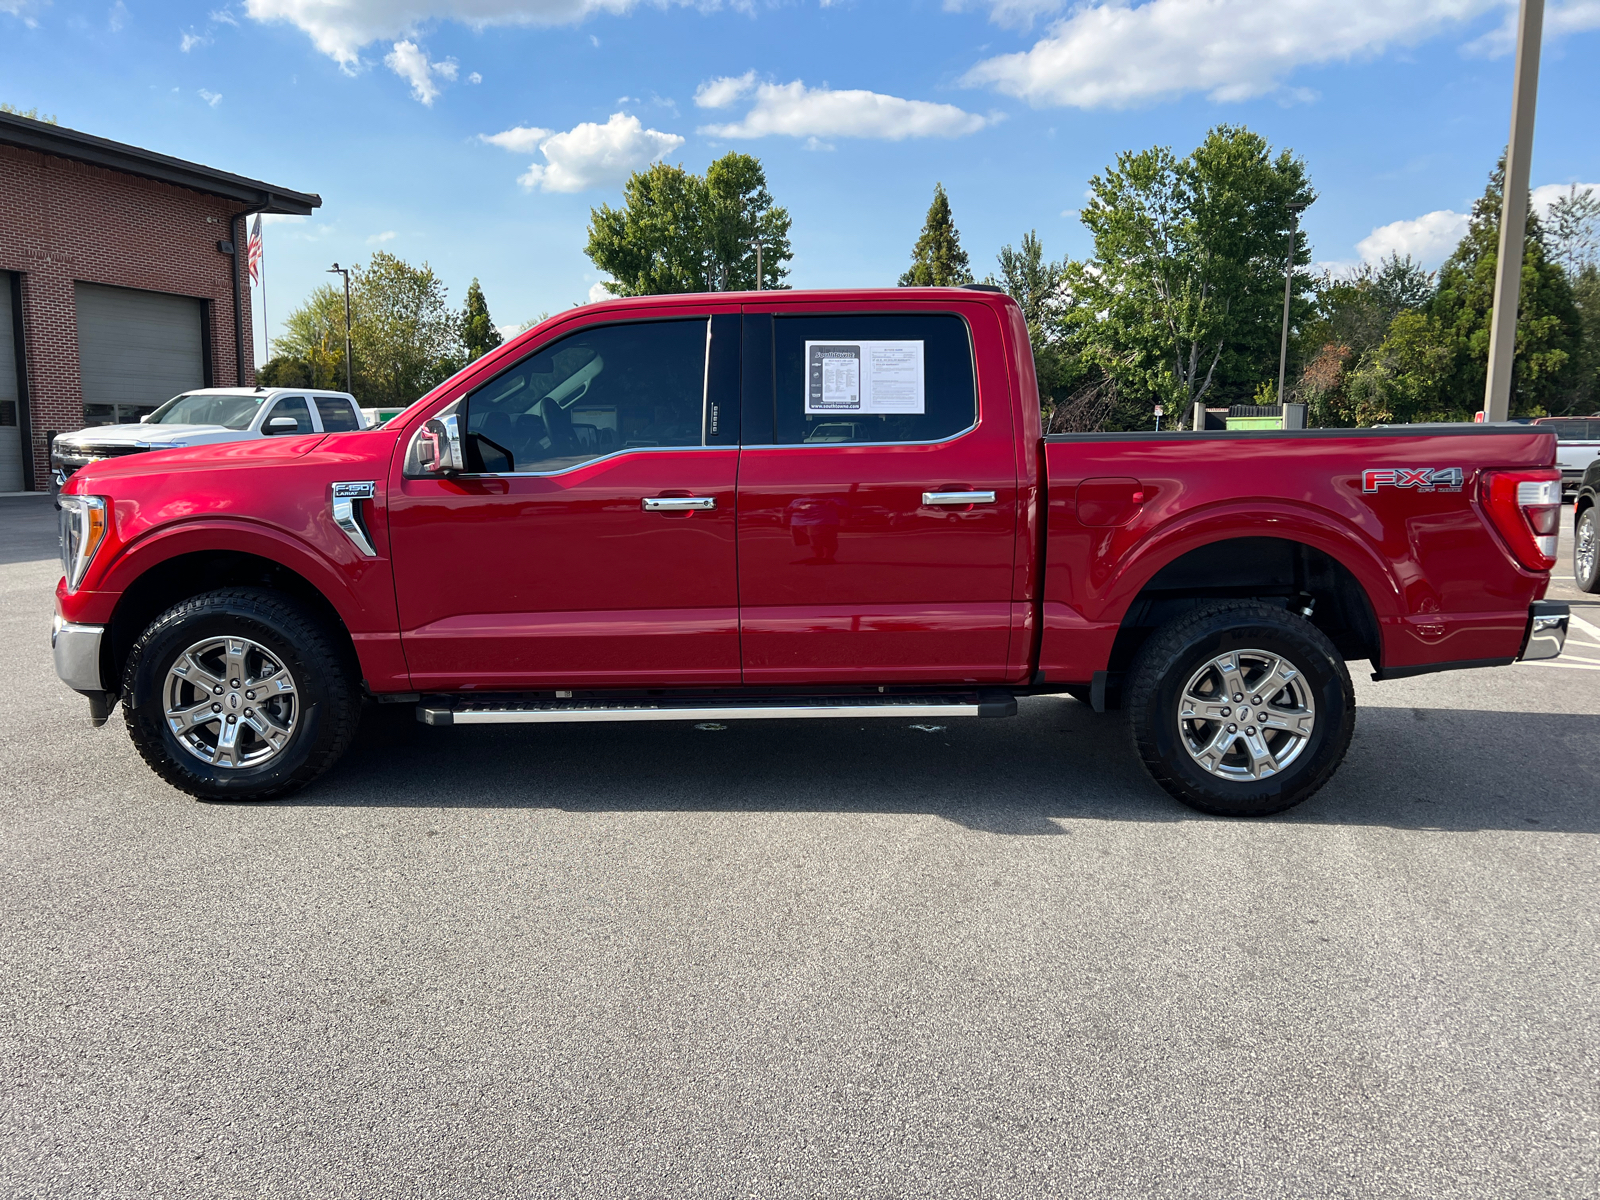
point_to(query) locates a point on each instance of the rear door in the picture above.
(593, 543)
(860, 559)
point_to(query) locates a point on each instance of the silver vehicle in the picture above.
(1577, 445)
(206, 416)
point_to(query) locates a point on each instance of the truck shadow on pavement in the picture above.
(1449, 769)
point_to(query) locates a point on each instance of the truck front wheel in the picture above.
(239, 694)
(1240, 708)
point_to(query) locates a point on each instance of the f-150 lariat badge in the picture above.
(1423, 479)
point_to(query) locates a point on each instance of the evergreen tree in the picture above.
(478, 333)
(1036, 284)
(938, 260)
(1547, 319)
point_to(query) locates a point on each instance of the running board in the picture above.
(484, 711)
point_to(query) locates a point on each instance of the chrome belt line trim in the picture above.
(710, 713)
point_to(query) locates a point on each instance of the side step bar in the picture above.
(480, 710)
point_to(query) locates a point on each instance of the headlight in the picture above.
(83, 528)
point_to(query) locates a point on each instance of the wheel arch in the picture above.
(1304, 577)
(190, 573)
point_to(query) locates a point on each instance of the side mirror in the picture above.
(282, 425)
(436, 450)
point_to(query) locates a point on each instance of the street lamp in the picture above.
(756, 242)
(336, 269)
(1298, 207)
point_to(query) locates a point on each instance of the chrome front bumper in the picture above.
(1547, 630)
(77, 651)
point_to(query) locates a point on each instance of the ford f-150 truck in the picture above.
(793, 504)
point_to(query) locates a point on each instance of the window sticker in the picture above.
(864, 377)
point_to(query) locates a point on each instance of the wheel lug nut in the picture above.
(1233, 729)
(1226, 711)
(1255, 699)
(249, 695)
(1237, 697)
(233, 683)
(217, 691)
(216, 708)
(1251, 731)
(232, 718)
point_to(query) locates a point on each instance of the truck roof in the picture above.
(262, 391)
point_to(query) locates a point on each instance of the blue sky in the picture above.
(477, 134)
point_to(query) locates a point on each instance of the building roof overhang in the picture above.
(44, 138)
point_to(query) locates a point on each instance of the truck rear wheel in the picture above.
(1240, 708)
(239, 694)
(1586, 551)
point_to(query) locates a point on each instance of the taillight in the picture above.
(1525, 507)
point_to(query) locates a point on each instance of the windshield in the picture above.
(231, 412)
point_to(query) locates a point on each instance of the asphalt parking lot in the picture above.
(802, 959)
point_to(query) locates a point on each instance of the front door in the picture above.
(861, 558)
(591, 544)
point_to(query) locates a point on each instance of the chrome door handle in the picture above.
(677, 503)
(958, 497)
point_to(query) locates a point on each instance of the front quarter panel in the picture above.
(275, 503)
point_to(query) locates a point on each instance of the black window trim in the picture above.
(972, 352)
(455, 405)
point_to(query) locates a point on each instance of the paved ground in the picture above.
(801, 959)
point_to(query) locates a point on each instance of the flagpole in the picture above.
(266, 327)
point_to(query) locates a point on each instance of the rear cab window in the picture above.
(338, 414)
(872, 378)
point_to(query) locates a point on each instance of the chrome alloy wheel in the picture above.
(1583, 548)
(1246, 715)
(231, 702)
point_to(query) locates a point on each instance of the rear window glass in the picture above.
(873, 378)
(338, 416)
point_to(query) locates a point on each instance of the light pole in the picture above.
(757, 244)
(336, 269)
(1298, 207)
(1513, 215)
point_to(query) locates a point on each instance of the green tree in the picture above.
(310, 350)
(937, 260)
(1547, 318)
(1403, 378)
(1573, 230)
(681, 232)
(1036, 283)
(1184, 294)
(407, 337)
(478, 334)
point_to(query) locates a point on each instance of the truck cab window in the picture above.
(873, 378)
(338, 416)
(595, 392)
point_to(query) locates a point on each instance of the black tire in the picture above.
(1177, 652)
(328, 701)
(1586, 545)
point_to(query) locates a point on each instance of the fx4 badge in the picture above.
(1424, 479)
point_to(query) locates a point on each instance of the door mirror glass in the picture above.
(436, 449)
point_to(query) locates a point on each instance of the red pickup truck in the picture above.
(793, 504)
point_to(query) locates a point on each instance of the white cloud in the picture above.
(593, 155)
(378, 239)
(1428, 239)
(719, 93)
(1114, 54)
(222, 16)
(1547, 194)
(340, 28)
(597, 293)
(474, 78)
(522, 139)
(409, 61)
(794, 110)
(211, 98)
(117, 16)
(190, 40)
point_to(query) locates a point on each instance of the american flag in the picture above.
(253, 252)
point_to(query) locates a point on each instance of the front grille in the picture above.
(91, 451)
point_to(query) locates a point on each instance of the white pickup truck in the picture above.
(1577, 445)
(206, 416)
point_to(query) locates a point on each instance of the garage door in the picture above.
(136, 350)
(10, 433)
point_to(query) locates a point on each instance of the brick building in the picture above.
(119, 284)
